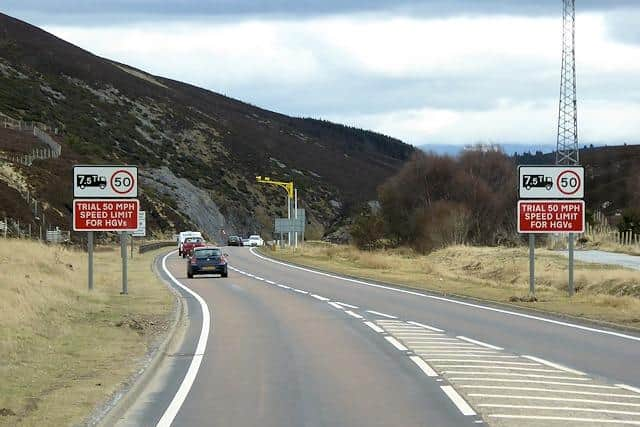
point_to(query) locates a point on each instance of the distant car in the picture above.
(207, 260)
(255, 240)
(245, 242)
(234, 241)
(190, 244)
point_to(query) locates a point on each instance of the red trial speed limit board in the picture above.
(551, 216)
(105, 215)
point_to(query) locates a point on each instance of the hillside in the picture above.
(198, 151)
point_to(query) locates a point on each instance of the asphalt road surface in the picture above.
(277, 345)
(601, 257)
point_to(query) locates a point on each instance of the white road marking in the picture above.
(300, 291)
(480, 343)
(558, 408)
(528, 381)
(377, 313)
(428, 340)
(497, 362)
(555, 399)
(334, 305)
(509, 374)
(394, 342)
(582, 420)
(453, 301)
(466, 353)
(554, 365)
(511, 368)
(374, 327)
(628, 387)
(424, 366)
(457, 400)
(355, 307)
(284, 286)
(180, 396)
(271, 282)
(318, 297)
(258, 278)
(548, 390)
(422, 325)
(352, 314)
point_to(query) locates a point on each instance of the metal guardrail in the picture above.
(155, 245)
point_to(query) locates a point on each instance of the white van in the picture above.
(183, 235)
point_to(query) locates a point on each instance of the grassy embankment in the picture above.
(604, 293)
(64, 350)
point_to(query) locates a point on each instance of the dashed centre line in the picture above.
(377, 313)
(352, 314)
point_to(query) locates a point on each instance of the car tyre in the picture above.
(225, 274)
(189, 275)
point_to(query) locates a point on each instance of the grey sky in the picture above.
(448, 71)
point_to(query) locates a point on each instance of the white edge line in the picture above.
(347, 305)
(377, 313)
(352, 314)
(300, 291)
(553, 365)
(480, 343)
(271, 282)
(375, 327)
(422, 325)
(467, 304)
(319, 297)
(457, 400)
(629, 388)
(424, 366)
(180, 396)
(334, 305)
(397, 344)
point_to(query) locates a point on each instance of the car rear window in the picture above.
(206, 253)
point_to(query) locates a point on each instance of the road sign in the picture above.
(285, 225)
(551, 216)
(141, 231)
(551, 182)
(105, 182)
(105, 215)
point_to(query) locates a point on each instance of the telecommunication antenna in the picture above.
(567, 151)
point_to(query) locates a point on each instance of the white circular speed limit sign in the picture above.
(568, 182)
(122, 181)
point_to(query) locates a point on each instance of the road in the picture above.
(287, 346)
(601, 257)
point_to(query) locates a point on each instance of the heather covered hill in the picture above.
(106, 112)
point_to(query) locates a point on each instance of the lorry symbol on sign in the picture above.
(84, 181)
(537, 181)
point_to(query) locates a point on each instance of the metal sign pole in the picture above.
(295, 215)
(90, 250)
(123, 253)
(289, 217)
(532, 264)
(571, 288)
(132, 246)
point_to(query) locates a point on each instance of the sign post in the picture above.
(561, 210)
(105, 200)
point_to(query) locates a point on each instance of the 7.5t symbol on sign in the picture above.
(105, 181)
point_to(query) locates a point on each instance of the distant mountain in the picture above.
(198, 151)
(510, 149)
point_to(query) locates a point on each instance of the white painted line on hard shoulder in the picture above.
(377, 313)
(553, 365)
(271, 282)
(284, 286)
(320, 298)
(334, 305)
(300, 291)
(352, 314)
(480, 343)
(582, 420)
(528, 381)
(180, 396)
(355, 307)
(558, 408)
(374, 327)
(424, 366)
(453, 301)
(629, 388)
(457, 400)
(555, 399)
(514, 374)
(397, 344)
(510, 368)
(422, 325)
(550, 390)
(497, 362)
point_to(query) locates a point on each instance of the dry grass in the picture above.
(65, 350)
(605, 293)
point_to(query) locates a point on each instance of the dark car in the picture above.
(234, 241)
(207, 260)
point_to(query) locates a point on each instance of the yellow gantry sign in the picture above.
(288, 186)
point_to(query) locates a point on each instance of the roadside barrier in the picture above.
(155, 245)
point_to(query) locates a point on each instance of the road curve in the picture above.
(290, 347)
